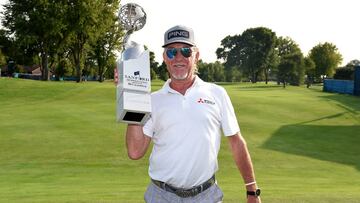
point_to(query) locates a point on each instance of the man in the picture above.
(185, 127)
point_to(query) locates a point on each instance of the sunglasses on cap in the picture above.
(185, 51)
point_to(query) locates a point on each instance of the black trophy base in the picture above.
(133, 116)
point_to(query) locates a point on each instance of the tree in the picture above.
(211, 72)
(62, 68)
(273, 63)
(353, 63)
(205, 71)
(232, 74)
(2, 59)
(287, 68)
(37, 25)
(230, 51)
(291, 69)
(4, 46)
(344, 73)
(108, 40)
(162, 72)
(309, 71)
(110, 71)
(82, 30)
(85, 26)
(326, 58)
(153, 66)
(219, 71)
(347, 72)
(252, 51)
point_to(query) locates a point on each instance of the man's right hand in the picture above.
(136, 141)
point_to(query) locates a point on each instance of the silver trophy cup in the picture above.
(133, 87)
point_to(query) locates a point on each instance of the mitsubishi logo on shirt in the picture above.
(205, 101)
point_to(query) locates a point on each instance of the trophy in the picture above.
(133, 68)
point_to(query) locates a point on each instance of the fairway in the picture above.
(59, 142)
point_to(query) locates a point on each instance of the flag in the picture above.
(116, 76)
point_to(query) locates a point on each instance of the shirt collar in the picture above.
(168, 89)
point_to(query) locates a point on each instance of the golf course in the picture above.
(60, 143)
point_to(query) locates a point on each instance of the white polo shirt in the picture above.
(186, 132)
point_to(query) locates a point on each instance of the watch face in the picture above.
(257, 192)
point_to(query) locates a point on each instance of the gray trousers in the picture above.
(154, 194)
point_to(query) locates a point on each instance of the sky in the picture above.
(307, 22)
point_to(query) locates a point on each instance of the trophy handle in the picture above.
(127, 37)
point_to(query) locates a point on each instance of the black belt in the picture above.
(181, 192)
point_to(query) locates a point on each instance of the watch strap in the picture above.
(255, 193)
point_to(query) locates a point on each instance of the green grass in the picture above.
(59, 142)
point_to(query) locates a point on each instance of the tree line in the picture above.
(81, 38)
(61, 35)
(258, 54)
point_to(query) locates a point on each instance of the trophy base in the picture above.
(133, 116)
(133, 107)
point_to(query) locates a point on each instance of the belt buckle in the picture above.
(184, 193)
(189, 192)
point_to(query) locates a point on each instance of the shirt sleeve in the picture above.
(148, 127)
(229, 122)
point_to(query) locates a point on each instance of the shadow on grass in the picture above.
(349, 103)
(334, 143)
(338, 144)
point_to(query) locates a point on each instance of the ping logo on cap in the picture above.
(178, 33)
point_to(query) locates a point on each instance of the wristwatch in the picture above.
(255, 193)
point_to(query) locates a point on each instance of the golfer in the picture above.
(187, 120)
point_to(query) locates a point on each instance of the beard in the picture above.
(181, 76)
